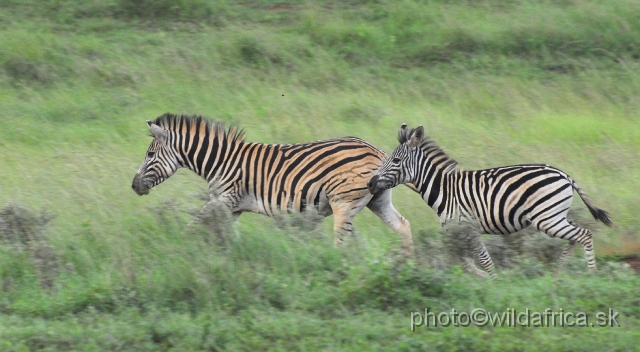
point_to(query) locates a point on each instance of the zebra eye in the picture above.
(395, 160)
(151, 154)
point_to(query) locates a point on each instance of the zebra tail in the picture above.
(598, 214)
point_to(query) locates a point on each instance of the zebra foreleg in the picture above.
(464, 236)
(485, 260)
(381, 205)
(215, 210)
(215, 221)
(470, 267)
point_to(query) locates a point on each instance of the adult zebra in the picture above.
(501, 200)
(271, 179)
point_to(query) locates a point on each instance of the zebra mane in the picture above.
(429, 147)
(173, 122)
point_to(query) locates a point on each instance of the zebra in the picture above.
(500, 200)
(329, 176)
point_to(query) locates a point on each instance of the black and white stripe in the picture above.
(329, 176)
(500, 200)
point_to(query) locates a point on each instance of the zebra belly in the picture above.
(482, 224)
(255, 205)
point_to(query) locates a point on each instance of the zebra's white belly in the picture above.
(253, 205)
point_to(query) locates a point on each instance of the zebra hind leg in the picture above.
(343, 214)
(574, 234)
(342, 227)
(587, 243)
(564, 254)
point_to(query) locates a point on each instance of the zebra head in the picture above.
(400, 166)
(159, 163)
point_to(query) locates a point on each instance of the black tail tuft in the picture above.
(601, 215)
(597, 213)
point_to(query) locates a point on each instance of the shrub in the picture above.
(22, 230)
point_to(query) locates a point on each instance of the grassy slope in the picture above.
(493, 82)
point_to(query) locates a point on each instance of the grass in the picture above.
(493, 82)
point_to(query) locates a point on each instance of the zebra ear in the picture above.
(417, 135)
(157, 131)
(403, 134)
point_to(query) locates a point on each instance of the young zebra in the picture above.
(270, 179)
(501, 200)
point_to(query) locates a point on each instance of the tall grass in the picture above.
(279, 287)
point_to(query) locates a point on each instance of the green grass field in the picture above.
(494, 82)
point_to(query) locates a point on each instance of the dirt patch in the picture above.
(633, 261)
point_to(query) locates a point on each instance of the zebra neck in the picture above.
(433, 185)
(216, 161)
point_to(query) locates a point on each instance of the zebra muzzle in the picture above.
(138, 186)
(372, 185)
